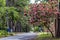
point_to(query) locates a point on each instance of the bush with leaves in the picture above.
(3, 33)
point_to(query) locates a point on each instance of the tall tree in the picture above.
(19, 7)
(43, 13)
(57, 24)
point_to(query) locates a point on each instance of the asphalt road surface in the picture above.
(23, 36)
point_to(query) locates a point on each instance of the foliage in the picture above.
(20, 5)
(3, 33)
(22, 2)
(24, 23)
(2, 3)
(3, 15)
(36, 29)
(43, 13)
(13, 12)
(44, 36)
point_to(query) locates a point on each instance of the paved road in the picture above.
(24, 36)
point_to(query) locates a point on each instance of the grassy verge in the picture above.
(4, 33)
(45, 36)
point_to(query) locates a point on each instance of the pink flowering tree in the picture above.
(43, 13)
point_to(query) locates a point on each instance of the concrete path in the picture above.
(24, 36)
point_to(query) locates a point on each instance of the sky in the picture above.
(33, 1)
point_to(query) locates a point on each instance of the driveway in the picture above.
(23, 36)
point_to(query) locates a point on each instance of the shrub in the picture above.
(3, 33)
(44, 36)
(36, 29)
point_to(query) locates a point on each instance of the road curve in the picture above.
(23, 36)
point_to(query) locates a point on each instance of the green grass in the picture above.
(4, 33)
(45, 36)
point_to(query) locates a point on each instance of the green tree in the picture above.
(2, 3)
(19, 5)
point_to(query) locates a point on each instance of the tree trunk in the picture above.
(9, 3)
(48, 27)
(18, 27)
(50, 31)
(57, 28)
